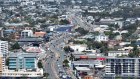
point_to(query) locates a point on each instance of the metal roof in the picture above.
(22, 55)
(31, 39)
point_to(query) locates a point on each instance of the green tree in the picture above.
(64, 22)
(112, 36)
(65, 62)
(108, 32)
(71, 57)
(81, 31)
(79, 42)
(96, 45)
(46, 75)
(16, 46)
(135, 52)
(40, 64)
(7, 62)
(68, 49)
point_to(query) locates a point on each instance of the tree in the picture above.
(79, 42)
(46, 74)
(135, 52)
(16, 46)
(40, 64)
(97, 45)
(108, 32)
(81, 31)
(112, 36)
(7, 62)
(64, 22)
(65, 62)
(68, 49)
(71, 57)
(116, 26)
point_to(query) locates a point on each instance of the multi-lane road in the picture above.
(77, 20)
(53, 64)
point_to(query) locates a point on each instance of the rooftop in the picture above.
(22, 55)
(30, 39)
(82, 68)
(34, 50)
(87, 62)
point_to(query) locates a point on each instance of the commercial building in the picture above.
(88, 63)
(81, 72)
(26, 33)
(123, 67)
(22, 73)
(22, 61)
(20, 65)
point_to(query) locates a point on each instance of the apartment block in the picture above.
(124, 67)
(4, 47)
(1, 63)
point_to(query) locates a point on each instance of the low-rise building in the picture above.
(81, 72)
(89, 77)
(31, 40)
(79, 47)
(101, 37)
(39, 34)
(88, 63)
(26, 33)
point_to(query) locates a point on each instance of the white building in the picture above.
(21, 73)
(27, 2)
(101, 37)
(4, 47)
(2, 63)
(62, 17)
(79, 48)
(26, 33)
(0, 9)
(117, 53)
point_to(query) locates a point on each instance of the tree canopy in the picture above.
(64, 22)
(16, 46)
(81, 31)
(40, 64)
